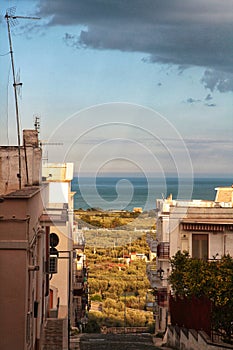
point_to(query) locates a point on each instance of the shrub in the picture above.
(96, 297)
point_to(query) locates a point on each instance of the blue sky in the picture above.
(108, 68)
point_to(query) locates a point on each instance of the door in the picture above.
(200, 246)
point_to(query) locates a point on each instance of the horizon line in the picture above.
(154, 175)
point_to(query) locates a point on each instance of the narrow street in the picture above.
(114, 341)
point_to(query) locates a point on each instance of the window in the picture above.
(200, 246)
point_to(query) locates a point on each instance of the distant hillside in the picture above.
(119, 289)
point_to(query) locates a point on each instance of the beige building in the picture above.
(30, 172)
(59, 216)
(203, 228)
(24, 251)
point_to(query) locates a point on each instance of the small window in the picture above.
(200, 246)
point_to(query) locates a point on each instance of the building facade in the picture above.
(29, 174)
(68, 277)
(202, 228)
(24, 250)
(80, 282)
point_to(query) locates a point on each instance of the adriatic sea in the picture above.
(125, 193)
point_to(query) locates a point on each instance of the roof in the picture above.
(52, 219)
(25, 192)
(224, 194)
(224, 221)
(58, 172)
(57, 214)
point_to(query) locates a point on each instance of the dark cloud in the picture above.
(210, 104)
(185, 33)
(208, 98)
(192, 100)
(217, 80)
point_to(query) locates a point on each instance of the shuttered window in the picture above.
(200, 246)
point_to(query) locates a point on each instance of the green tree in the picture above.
(194, 277)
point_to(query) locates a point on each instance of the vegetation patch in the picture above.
(120, 288)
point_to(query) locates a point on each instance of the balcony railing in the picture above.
(163, 250)
(162, 297)
(78, 285)
(79, 278)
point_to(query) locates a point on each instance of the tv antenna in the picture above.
(11, 20)
(45, 156)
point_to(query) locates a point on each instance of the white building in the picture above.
(24, 254)
(59, 216)
(80, 278)
(202, 228)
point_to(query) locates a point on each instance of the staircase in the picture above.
(56, 334)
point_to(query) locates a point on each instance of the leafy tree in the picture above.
(194, 277)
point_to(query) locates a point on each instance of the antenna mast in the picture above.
(10, 17)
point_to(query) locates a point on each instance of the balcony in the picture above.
(157, 282)
(79, 245)
(79, 273)
(77, 292)
(163, 250)
(161, 297)
(78, 285)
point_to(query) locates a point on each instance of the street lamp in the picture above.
(160, 273)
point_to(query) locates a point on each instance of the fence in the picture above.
(122, 330)
(193, 313)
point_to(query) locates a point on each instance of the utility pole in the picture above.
(10, 17)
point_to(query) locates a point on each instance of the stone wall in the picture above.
(56, 334)
(184, 339)
(30, 156)
(122, 330)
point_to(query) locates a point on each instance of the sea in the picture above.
(126, 193)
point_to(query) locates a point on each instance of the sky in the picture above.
(123, 86)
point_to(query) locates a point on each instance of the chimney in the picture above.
(30, 138)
